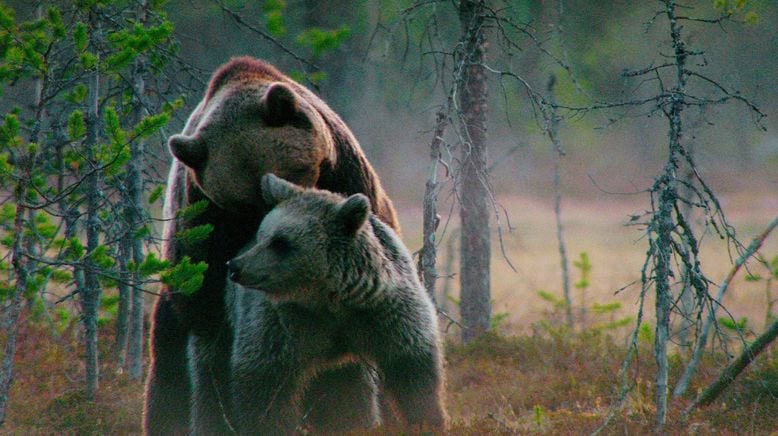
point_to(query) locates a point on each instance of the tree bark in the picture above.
(475, 299)
(19, 264)
(90, 297)
(122, 327)
(428, 252)
(135, 216)
(663, 223)
(552, 129)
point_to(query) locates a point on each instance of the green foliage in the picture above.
(102, 258)
(156, 194)
(150, 125)
(605, 308)
(646, 334)
(80, 36)
(74, 249)
(109, 302)
(88, 60)
(585, 269)
(54, 17)
(142, 232)
(539, 415)
(558, 303)
(61, 276)
(43, 227)
(9, 132)
(152, 265)
(112, 125)
(274, 16)
(195, 234)
(321, 41)
(738, 326)
(315, 77)
(76, 125)
(7, 215)
(63, 319)
(38, 308)
(130, 42)
(193, 210)
(185, 277)
(498, 319)
(738, 7)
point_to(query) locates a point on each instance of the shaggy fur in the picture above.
(328, 283)
(253, 120)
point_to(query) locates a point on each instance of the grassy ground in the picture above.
(534, 377)
(545, 383)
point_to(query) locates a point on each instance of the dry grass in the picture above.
(597, 227)
(551, 382)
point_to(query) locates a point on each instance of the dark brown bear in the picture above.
(253, 120)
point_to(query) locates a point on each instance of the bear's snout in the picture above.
(233, 271)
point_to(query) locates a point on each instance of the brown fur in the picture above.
(326, 257)
(234, 136)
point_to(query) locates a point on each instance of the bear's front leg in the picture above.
(210, 371)
(167, 402)
(342, 399)
(414, 381)
(264, 398)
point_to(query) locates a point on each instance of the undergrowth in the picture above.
(548, 382)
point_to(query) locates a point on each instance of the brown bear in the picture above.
(337, 285)
(252, 120)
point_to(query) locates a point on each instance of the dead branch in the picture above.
(702, 338)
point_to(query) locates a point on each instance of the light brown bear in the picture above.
(252, 120)
(336, 285)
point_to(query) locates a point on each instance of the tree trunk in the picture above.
(19, 264)
(475, 299)
(552, 129)
(428, 252)
(90, 297)
(122, 327)
(135, 218)
(666, 188)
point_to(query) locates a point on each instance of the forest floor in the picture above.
(545, 383)
(533, 376)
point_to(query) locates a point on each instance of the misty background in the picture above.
(382, 81)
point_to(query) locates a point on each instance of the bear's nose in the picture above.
(233, 272)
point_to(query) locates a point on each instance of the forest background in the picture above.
(375, 63)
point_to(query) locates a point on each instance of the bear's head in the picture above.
(303, 245)
(248, 126)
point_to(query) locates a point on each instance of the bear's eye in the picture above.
(280, 244)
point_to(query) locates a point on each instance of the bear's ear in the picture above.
(279, 106)
(352, 213)
(275, 189)
(189, 150)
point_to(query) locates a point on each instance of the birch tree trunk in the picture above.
(475, 299)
